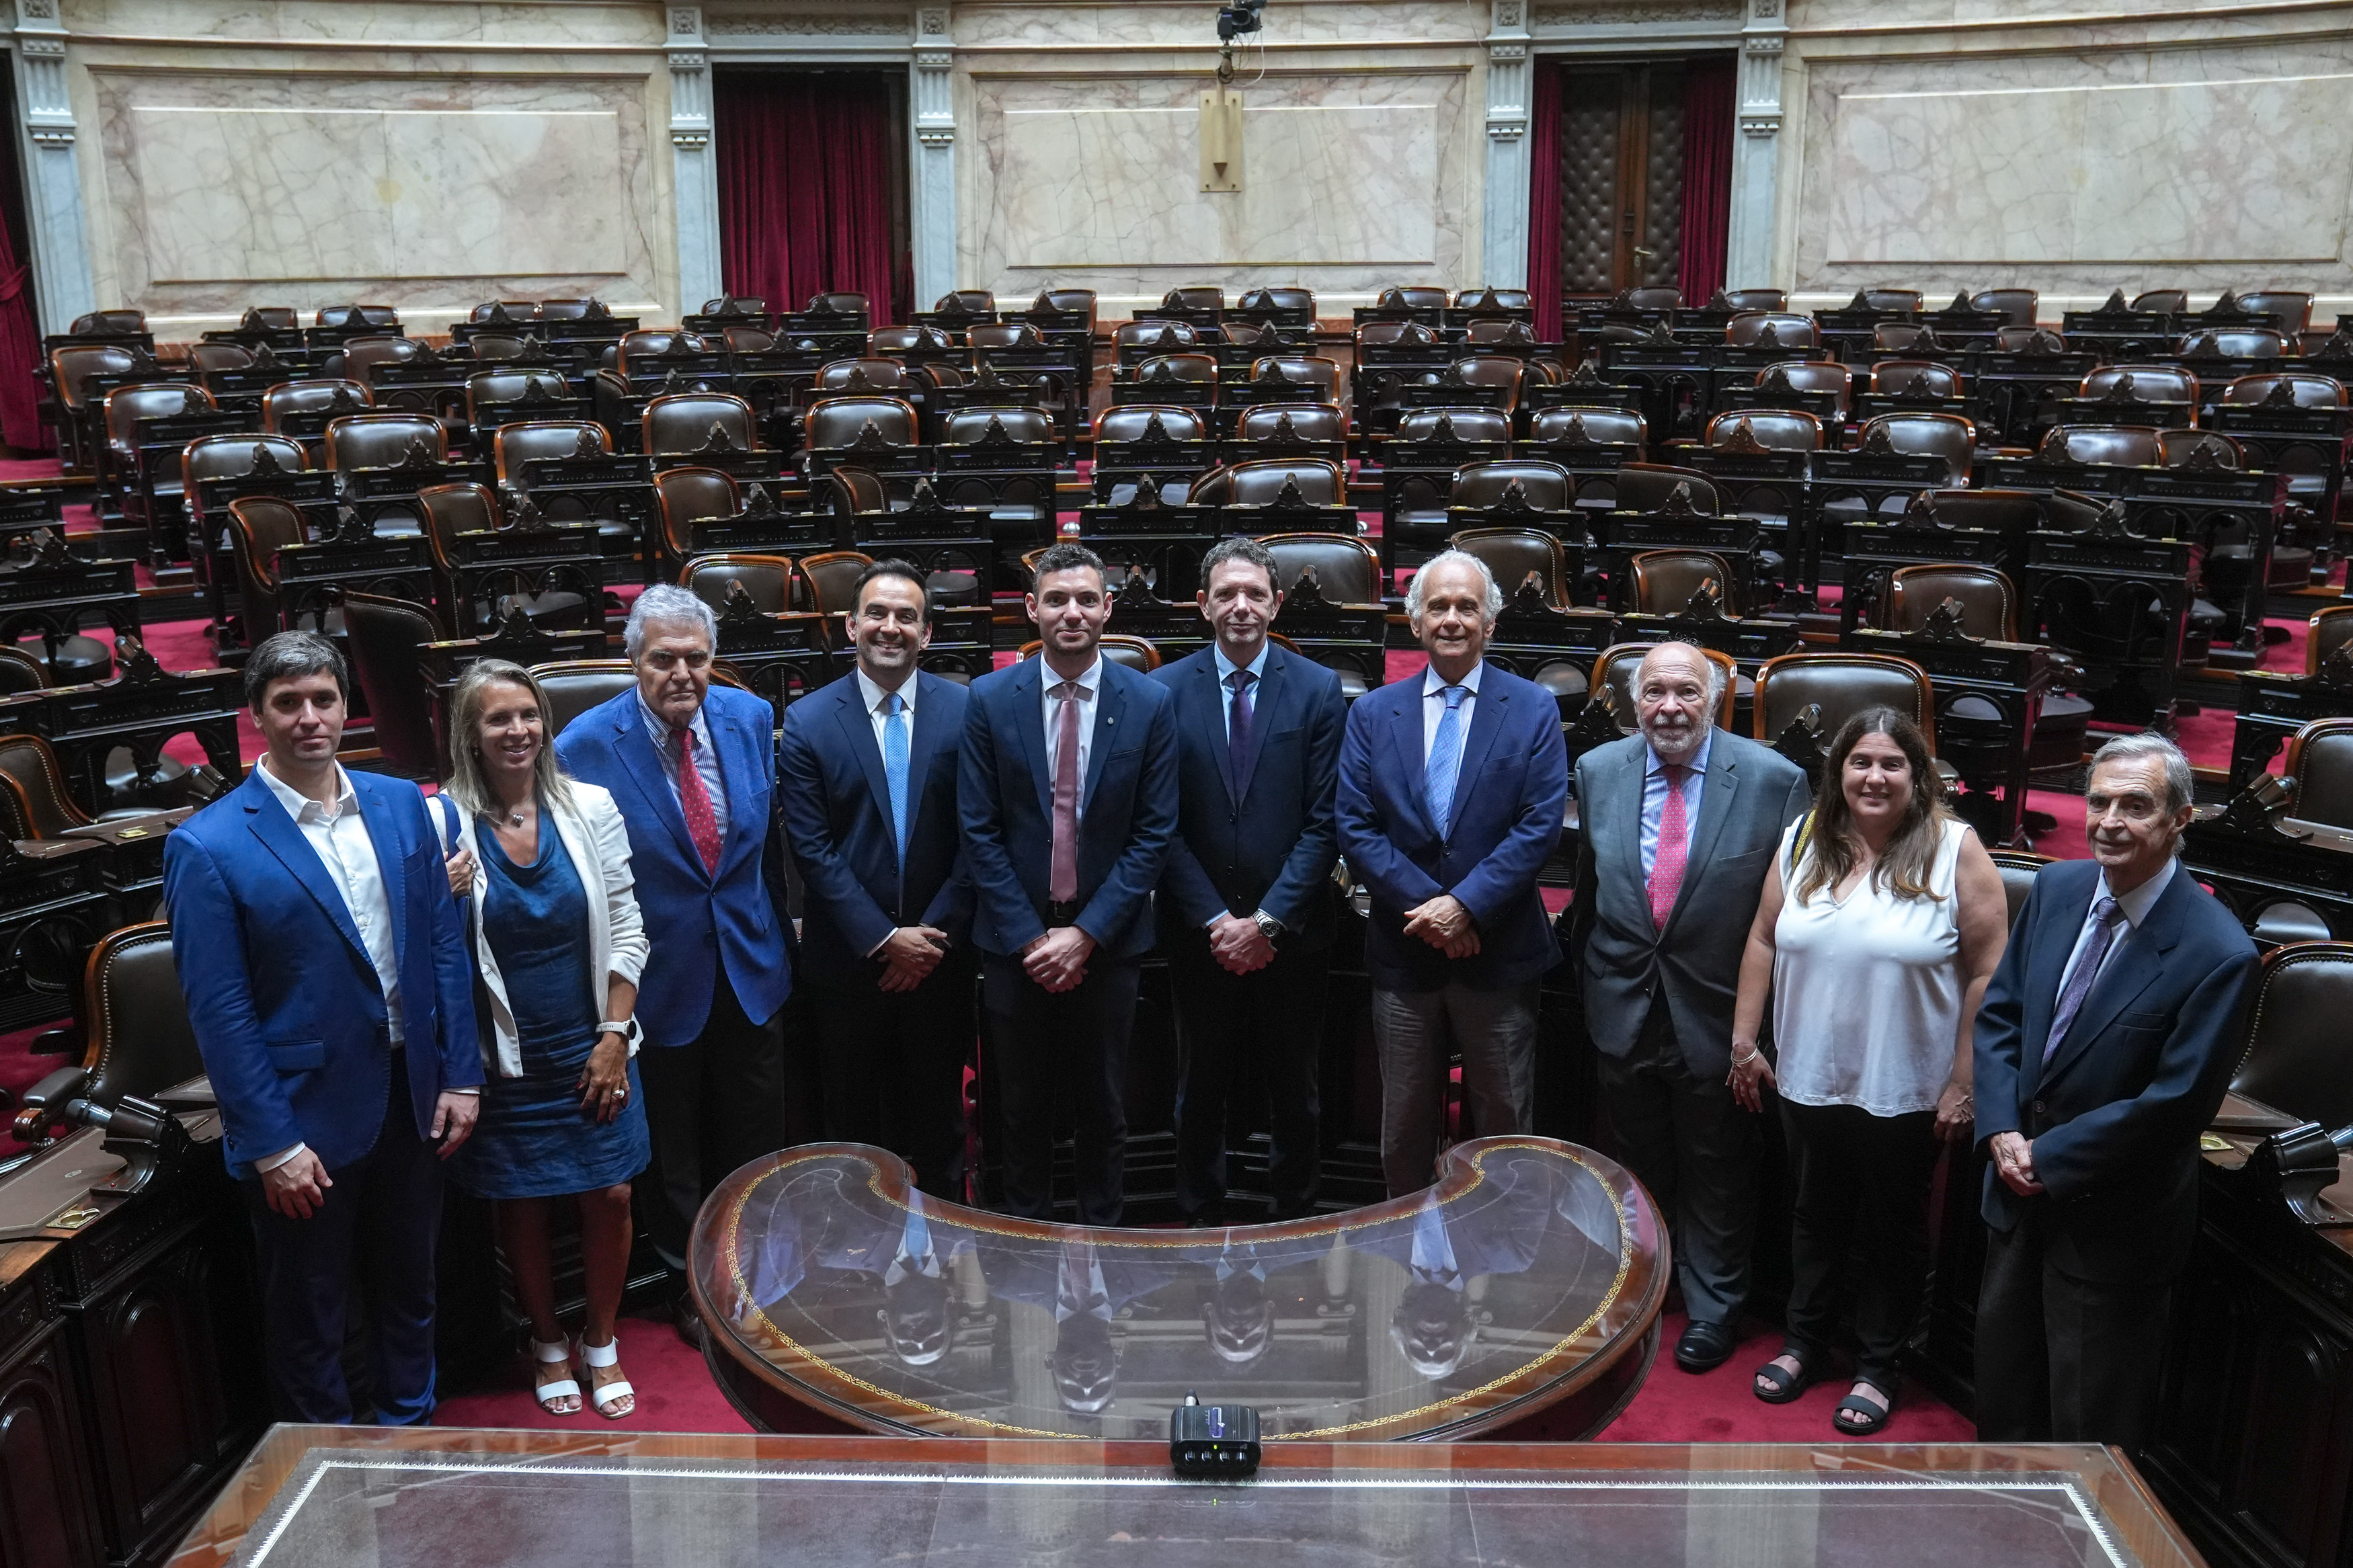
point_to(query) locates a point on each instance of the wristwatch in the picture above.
(627, 1028)
(1268, 925)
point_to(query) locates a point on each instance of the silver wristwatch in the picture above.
(1268, 925)
(627, 1028)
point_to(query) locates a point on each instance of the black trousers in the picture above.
(2062, 1360)
(1041, 1040)
(713, 1105)
(382, 1216)
(1689, 1142)
(1862, 1185)
(893, 1067)
(1273, 1016)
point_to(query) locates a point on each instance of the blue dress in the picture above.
(533, 1139)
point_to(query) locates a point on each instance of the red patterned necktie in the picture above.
(1667, 865)
(1062, 869)
(695, 802)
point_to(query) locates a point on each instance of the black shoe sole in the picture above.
(1703, 1363)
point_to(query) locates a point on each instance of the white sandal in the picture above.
(547, 1393)
(610, 1394)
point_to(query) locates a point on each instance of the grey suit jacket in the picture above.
(1621, 960)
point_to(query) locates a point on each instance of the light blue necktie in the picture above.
(1445, 759)
(895, 765)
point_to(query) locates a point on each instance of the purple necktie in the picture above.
(1238, 733)
(2105, 917)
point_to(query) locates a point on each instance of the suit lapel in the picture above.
(858, 728)
(278, 833)
(1405, 742)
(1029, 725)
(2126, 976)
(1110, 707)
(1486, 719)
(1265, 703)
(1718, 786)
(1206, 719)
(1628, 846)
(643, 764)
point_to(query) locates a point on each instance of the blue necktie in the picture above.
(2106, 914)
(1445, 759)
(895, 765)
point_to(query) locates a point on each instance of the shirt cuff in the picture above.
(883, 943)
(474, 1089)
(279, 1158)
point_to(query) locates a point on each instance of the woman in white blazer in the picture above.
(542, 864)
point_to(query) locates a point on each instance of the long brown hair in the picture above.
(1831, 852)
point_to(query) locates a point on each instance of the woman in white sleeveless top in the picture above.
(1882, 922)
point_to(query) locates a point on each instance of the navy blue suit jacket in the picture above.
(1504, 822)
(287, 1009)
(2116, 1114)
(1267, 840)
(1127, 811)
(695, 921)
(836, 804)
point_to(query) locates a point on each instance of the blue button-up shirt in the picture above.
(706, 761)
(1654, 799)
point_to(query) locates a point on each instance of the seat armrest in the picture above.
(57, 1086)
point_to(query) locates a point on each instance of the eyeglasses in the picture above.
(666, 660)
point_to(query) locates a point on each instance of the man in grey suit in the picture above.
(1678, 826)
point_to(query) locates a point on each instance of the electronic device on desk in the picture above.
(2301, 1165)
(1213, 1442)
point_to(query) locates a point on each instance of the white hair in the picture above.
(670, 604)
(1715, 677)
(1413, 598)
(2179, 785)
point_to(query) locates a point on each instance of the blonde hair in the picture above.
(467, 785)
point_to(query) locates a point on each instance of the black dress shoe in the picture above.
(688, 1321)
(1704, 1347)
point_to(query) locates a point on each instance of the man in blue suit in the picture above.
(1248, 883)
(1067, 790)
(332, 997)
(867, 788)
(716, 980)
(1452, 786)
(2103, 1049)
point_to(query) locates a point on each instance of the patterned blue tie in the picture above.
(895, 765)
(1445, 759)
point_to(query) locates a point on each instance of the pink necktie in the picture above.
(1667, 865)
(694, 800)
(1062, 872)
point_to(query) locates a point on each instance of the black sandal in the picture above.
(1786, 1386)
(1873, 1418)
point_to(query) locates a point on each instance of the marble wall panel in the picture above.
(364, 23)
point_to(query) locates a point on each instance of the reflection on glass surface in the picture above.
(425, 1511)
(1527, 1260)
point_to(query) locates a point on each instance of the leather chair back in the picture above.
(990, 336)
(1411, 299)
(452, 510)
(768, 579)
(1505, 300)
(512, 385)
(1390, 335)
(1891, 298)
(964, 426)
(1655, 298)
(1771, 300)
(259, 527)
(2019, 868)
(1615, 670)
(2320, 760)
(852, 491)
(1319, 375)
(887, 342)
(748, 340)
(2189, 449)
(2289, 308)
(1470, 424)
(1165, 337)
(528, 441)
(361, 355)
(1915, 378)
(1776, 429)
(1747, 330)
(2299, 1057)
(126, 406)
(832, 578)
(1511, 554)
(2002, 511)
(641, 352)
(1551, 427)
(220, 456)
(505, 311)
(75, 365)
(1840, 685)
(575, 309)
(1665, 580)
(684, 423)
(1494, 331)
(1989, 603)
(205, 358)
(107, 322)
(2162, 301)
(1067, 299)
(1546, 485)
(1347, 569)
(1261, 482)
(1903, 337)
(2128, 446)
(1178, 367)
(2327, 632)
(839, 302)
(311, 396)
(136, 1015)
(1128, 421)
(967, 301)
(1648, 486)
(862, 376)
(835, 423)
(2243, 342)
(1947, 435)
(2309, 390)
(1137, 654)
(687, 496)
(1814, 375)
(383, 440)
(1194, 297)
(383, 636)
(2150, 383)
(1493, 370)
(40, 789)
(376, 316)
(273, 317)
(21, 672)
(1279, 298)
(575, 685)
(2015, 306)
(2014, 340)
(1308, 421)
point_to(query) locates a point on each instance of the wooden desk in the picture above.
(315, 1497)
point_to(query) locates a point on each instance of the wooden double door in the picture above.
(1621, 176)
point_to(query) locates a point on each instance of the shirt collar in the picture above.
(2141, 900)
(296, 803)
(1087, 682)
(872, 694)
(1227, 667)
(1432, 683)
(1698, 764)
(658, 727)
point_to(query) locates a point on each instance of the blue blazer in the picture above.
(1267, 840)
(287, 1009)
(835, 804)
(1504, 822)
(2113, 1116)
(1127, 809)
(695, 921)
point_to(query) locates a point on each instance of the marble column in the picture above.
(53, 199)
(933, 103)
(1504, 244)
(694, 169)
(1757, 150)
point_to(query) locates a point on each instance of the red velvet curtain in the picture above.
(805, 185)
(21, 334)
(1543, 198)
(1707, 177)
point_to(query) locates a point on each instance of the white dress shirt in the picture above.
(1433, 708)
(871, 695)
(1257, 668)
(1654, 800)
(2136, 906)
(706, 761)
(1090, 686)
(339, 835)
